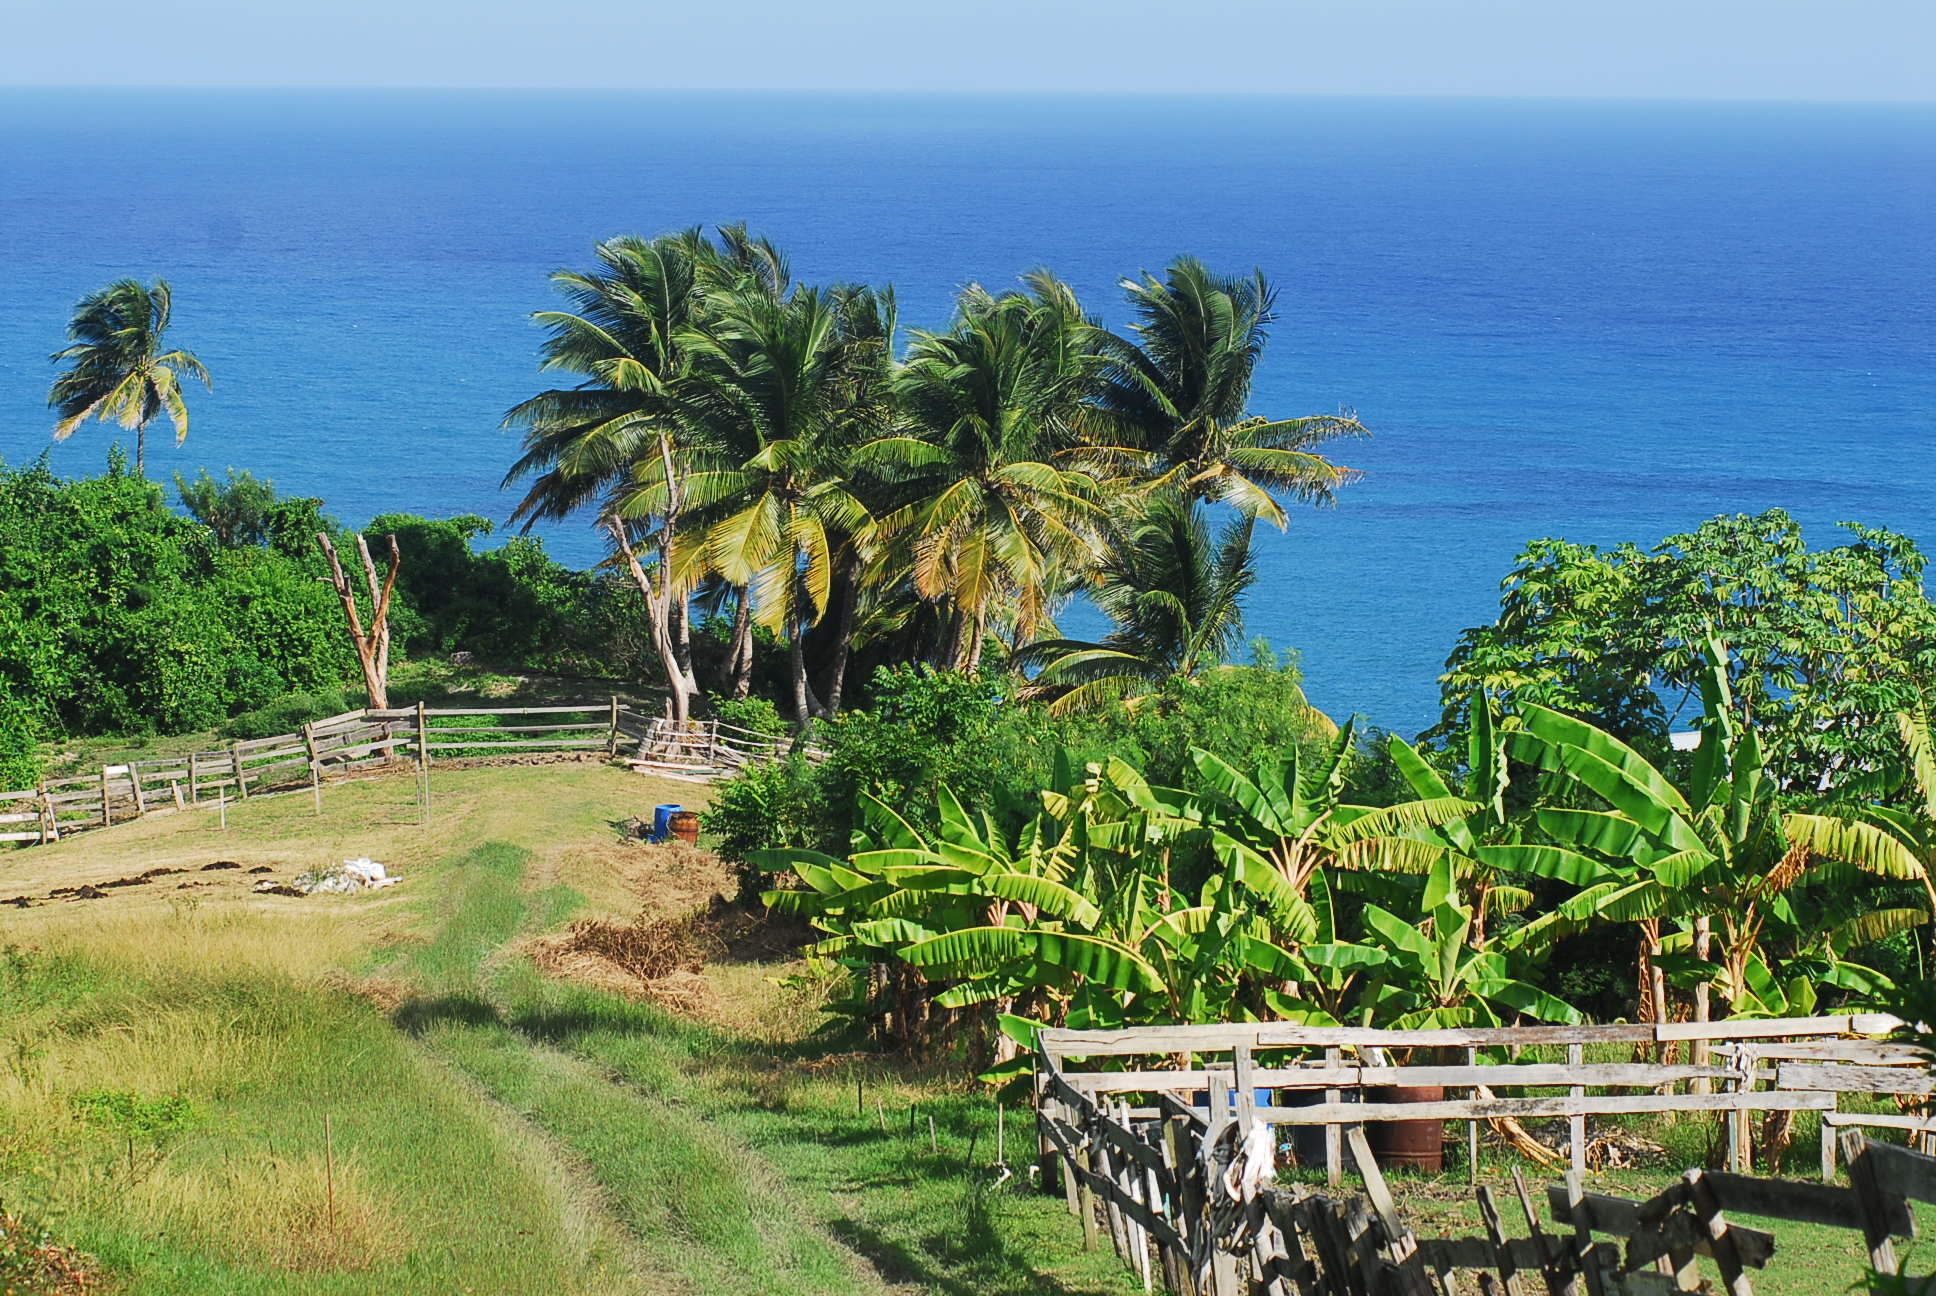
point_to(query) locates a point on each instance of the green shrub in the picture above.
(756, 714)
(291, 712)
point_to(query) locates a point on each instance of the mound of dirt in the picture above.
(662, 959)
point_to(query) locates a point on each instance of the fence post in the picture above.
(134, 781)
(611, 744)
(107, 810)
(1576, 1123)
(49, 824)
(423, 737)
(194, 778)
(315, 765)
(1333, 1136)
(235, 763)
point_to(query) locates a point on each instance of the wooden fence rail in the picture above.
(1183, 1182)
(359, 739)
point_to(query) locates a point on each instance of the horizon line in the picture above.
(965, 93)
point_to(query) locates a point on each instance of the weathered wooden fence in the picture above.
(357, 739)
(1182, 1179)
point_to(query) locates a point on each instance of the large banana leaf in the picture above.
(980, 949)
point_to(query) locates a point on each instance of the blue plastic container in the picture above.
(662, 821)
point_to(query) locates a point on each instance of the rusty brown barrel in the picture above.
(1407, 1144)
(685, 826)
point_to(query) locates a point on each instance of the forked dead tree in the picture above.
(372, 645)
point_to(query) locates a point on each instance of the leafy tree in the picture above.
(1827, 646)
(117, 367)
(237, 509)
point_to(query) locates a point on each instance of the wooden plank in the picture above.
(1620, 1217)
(1901, 1172)
(1555, 1105)
(1805, 1203)
(590, 709)
(1855, 1079)
(1504, 1075)
(1223, 1037)
(1882, 1120)
(33, 836)
(571, 743)
(538, 728)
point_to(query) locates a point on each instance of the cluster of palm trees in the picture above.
(756, 445)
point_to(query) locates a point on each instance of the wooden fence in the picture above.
(1182, 1179)
(358, 739)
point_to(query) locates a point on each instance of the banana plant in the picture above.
(1425, 974)
(1439, 824)
(1716, 851)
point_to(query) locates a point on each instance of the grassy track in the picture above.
(495, 1130)
(168, 1055)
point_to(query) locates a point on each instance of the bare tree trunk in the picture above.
(844, 630)
(372, 646)
(742, 651)
(680, 686)
(1703, 943)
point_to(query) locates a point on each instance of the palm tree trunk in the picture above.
(742, 652)
(844, 632)
(975, 645)
(805, 705)
(141, 451)
(949, 658)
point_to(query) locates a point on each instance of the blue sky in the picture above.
(1674, 49)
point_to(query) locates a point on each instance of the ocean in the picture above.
(1606, 321)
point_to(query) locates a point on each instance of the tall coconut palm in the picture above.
(991, 522)
(624, 426)
(1174, 597)
(118, 367)
(795, 385)
(1176, 396)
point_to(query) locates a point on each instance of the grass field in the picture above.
(213, 1090)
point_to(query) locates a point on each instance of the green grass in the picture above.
(168, 1058)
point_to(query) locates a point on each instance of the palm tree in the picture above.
(992, 524)
(1175, 599)
(624, 426)
(1176, 394)
(117, 367)
(795, 384)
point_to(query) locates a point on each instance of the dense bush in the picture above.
(119, 615)
(510, 604)
(925, 729)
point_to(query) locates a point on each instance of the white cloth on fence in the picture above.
(1254, 1165)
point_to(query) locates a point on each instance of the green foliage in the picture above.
(1827, 645)
(124, 1112)
(754, 714)
(244, 510)
(291, 712)
(122, 616)
(513, 603)
(20, 765)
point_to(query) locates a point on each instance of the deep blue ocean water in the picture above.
(1604, 321)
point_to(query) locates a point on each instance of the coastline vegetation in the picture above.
(1691, 780)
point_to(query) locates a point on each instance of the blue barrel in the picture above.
(662, 821)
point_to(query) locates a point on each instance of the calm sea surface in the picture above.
(1602, 321)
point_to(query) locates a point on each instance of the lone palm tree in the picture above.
(1174, 596)
(117, 368)
(1176, 396)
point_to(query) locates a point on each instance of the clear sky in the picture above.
(1677, 49)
